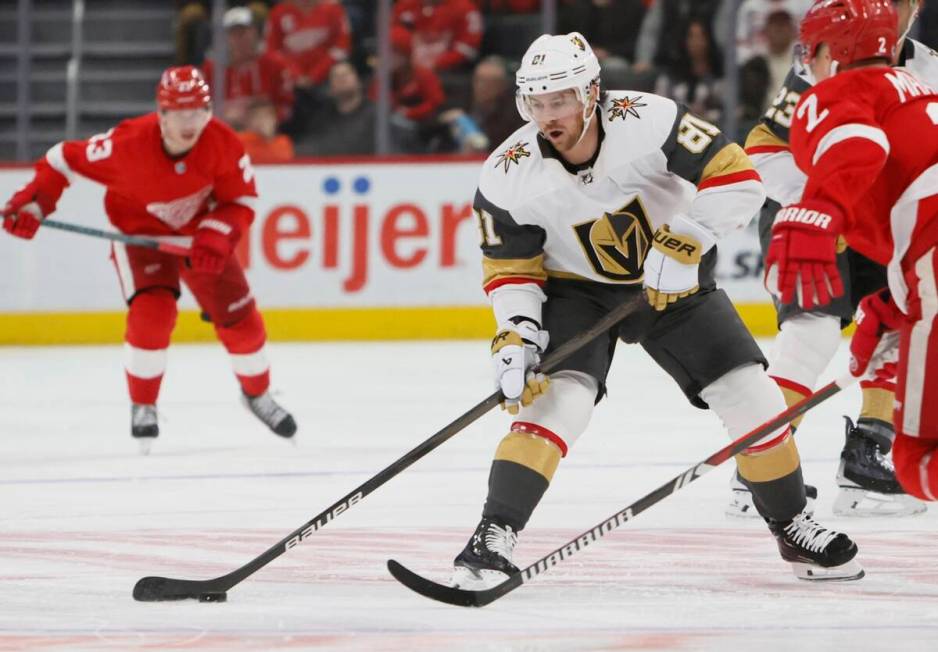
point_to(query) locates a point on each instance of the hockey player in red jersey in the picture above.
(175, 172)
(808, 339)
(866, 136)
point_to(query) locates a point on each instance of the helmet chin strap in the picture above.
(908, 27)
(586, 124)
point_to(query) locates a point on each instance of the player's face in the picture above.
(181, 128)
(822, 64)
(559, 117)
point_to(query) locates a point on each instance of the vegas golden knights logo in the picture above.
(616, 243)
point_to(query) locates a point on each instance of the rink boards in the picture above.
(339, 250)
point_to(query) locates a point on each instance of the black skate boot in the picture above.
(486, 559)
(814, 552)
(866, 476)
(741, 505)
(271, 414)
(143, 425)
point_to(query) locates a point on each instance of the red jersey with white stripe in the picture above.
(267, 76)
(868, 141)
(312, 40)
(148, 191)
(446, 34)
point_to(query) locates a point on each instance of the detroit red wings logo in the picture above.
(178, 212)
(626, 106)
(513, 154)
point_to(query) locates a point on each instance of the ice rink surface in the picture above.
(84, 516)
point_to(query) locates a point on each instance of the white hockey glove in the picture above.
(516, 351)
(671, 264)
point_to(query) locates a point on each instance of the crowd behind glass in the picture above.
(299, 76)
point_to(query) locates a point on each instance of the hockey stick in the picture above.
(466, 598)
(155, 589)
(134, 240)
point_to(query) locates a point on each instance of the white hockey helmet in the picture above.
(556, 63)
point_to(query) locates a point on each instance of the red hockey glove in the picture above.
(22, 215)
(214, 241)
(803, 252)
(876, 314)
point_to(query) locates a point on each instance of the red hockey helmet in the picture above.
(854, 30)
(183, 87)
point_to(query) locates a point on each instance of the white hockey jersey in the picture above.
(767, 143)
(541, 216)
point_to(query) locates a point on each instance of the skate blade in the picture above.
(145, 444)
(843, 573)
(859, 503)
(476, 580)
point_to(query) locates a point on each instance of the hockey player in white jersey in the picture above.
(602, 197)
(808, 338)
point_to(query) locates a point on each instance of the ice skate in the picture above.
(741, 505)
(866, 477)
(143, 426)
(486, 559)
(814, 552)
(271, 414)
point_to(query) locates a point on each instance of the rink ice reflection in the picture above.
(84, 516)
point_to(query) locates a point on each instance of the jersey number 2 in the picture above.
(809, 106)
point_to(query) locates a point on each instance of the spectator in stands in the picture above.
(696, 78)
(661, 37)
(446, 33)
(781, 33)
(261, 140)
(194, 30)
(751, 35)
(346, 124)
(312, 35)
(250, 74)
(416, 92)
(611, 25)
(493, 97)
(509, 6)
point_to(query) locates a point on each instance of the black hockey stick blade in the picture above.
(448, 594)
(469, 598)
(158, 589)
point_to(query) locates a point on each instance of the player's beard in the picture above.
(563, 136)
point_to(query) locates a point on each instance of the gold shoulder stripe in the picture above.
(730, 162)
(762, 139)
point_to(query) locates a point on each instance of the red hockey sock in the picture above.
(245, 341)
(150, 322)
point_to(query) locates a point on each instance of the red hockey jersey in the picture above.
(311, 40)
(266, 77)
(868, 141)
(149, 192)
(447, 34)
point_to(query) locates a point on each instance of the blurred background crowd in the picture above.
(301, 77)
